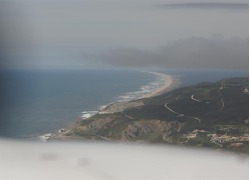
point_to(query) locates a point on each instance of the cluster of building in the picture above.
(219, 139)
(228, 138)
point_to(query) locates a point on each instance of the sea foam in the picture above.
(144, 90)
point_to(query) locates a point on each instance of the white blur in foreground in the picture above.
(74, 160)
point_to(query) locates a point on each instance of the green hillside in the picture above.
(207, 114)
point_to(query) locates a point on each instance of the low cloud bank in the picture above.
(207, 5)
(195, 52)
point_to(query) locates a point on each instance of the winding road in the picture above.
(166, 106)
(197, 100)
(180, 114)
(223, 85)
(127, 116)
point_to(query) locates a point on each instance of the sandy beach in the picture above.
(168, 85)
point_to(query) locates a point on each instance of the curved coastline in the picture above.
(169, 83)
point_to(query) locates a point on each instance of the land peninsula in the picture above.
(213, 115)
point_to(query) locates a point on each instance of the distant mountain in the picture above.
(207, 114)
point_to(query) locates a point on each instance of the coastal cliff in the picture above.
(211, 115)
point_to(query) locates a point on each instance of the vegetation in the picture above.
(211, 115)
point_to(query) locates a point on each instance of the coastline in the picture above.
(169, 83)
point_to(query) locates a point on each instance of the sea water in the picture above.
(36, 102)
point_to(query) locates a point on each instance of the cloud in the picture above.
(53, 33)
(207, 5)
(195, 52)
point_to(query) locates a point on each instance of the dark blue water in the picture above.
(42, 101)
(33, 103)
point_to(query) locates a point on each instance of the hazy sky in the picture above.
(138, 33)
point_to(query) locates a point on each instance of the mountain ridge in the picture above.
(207, 114)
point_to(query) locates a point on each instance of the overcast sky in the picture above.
(120, 33)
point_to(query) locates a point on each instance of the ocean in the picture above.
(36, 102)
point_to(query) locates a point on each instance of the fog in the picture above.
(65, 34)
(69, 34)
(117, 161)
(196, 52)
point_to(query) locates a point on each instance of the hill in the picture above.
(212, 115)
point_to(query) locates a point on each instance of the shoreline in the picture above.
(119, 106)
(169, 83)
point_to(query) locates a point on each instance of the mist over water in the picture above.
(189, 77)
(52, 42)
(119, 33)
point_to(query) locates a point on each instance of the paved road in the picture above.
(180, 114)
(127, 116)
(223, 85)
(197, 100)
(166, 106)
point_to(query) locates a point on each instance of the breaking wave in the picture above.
(144, 90)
